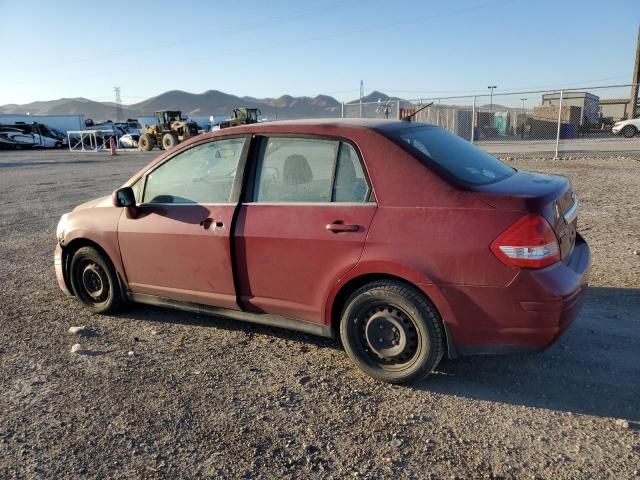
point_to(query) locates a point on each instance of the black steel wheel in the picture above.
(392, 332)
(94, 281)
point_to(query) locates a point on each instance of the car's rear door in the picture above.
(178, 245)
(303, 224)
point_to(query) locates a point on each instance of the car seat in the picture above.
(297, 176)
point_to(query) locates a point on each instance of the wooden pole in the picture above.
(633, 110)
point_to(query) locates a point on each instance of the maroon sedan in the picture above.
(404, 240)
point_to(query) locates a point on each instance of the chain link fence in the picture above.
(387, 109)
(546, 122)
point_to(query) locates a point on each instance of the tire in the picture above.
(169, 140)
(145, 143)
(94, 281)
(411, 341)
(629, 131)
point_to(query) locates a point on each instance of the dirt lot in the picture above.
(206, 397)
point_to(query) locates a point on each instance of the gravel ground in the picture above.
(204, 397)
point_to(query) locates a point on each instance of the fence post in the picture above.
(473, 119)
(559, 124)
(398, 109)
(342, 111)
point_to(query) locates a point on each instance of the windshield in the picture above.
(457, 157)
(46, 132)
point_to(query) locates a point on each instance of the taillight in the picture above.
(528, 243)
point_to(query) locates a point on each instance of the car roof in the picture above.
(352, 123)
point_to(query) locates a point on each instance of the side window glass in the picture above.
(137, 189)
(202, 174)
(295, 170)
(350, 184)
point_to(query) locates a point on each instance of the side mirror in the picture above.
(124, 197)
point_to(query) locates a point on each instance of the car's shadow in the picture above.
(593, 369)
(167, 315)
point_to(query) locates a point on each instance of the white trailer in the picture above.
(64, 123)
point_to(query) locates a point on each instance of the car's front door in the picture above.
(302, 226)
(178, 244)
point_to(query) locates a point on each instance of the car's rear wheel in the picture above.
(94, 281)
(392, 332)
(629, 131)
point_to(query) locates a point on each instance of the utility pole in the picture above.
(491, 87)
(633, 111)
(361, 95)
(118, 105)
(524, 119)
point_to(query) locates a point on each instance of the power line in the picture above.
(262, 48)
(434, 93)
(325, 9)
(522, 92)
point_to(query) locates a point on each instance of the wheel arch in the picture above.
(76, 244)
(430, 292)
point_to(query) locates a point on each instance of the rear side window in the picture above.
(457, 157)
(350, 184)
(296, 170)
(309, 170)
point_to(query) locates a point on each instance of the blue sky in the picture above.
(408, 48)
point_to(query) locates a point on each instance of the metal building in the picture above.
(587, 102)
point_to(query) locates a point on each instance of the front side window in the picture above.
(202, 174)
(137, 189)
(309, 170)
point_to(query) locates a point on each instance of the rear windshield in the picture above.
(457, 157)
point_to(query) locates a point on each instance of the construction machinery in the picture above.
(170, 130)
(242, 116)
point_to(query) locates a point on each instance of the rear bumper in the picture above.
(526, 316)
(57, 262)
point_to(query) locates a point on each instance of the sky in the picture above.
(405, 48)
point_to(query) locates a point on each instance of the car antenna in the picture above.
(407, 118)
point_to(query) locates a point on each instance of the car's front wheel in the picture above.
(629, 131)
(392, 332)
(94, 281)
(145, 143)
(169, 140)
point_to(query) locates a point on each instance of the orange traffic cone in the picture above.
(112, 145)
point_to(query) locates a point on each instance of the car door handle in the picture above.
(338, 226)
(206, 223)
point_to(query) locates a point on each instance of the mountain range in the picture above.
(211, 102)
